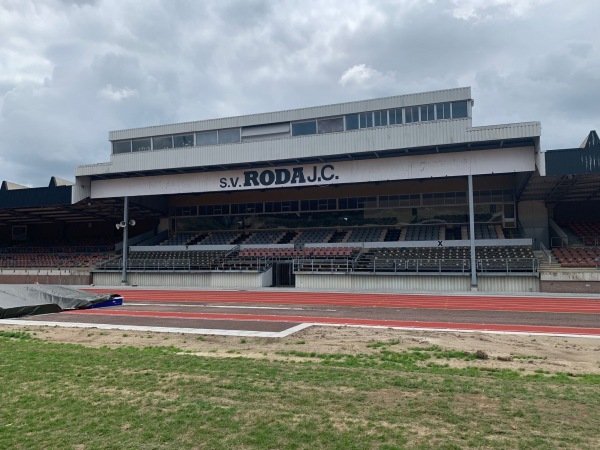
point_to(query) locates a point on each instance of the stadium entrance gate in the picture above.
(283, 274)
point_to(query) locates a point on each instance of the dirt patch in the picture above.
(529, 353)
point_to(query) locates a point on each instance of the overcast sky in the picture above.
(71, 71)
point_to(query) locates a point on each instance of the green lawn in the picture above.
(66, 396)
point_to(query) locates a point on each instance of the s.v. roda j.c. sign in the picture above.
(301, 175)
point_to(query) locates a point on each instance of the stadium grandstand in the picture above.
(396, 193)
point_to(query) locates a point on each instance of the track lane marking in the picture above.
(347, 321)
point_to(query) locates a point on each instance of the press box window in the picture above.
(304, 128)
(331, 125)
(160, 143)
(442, 111)
(207, 138)
(380, 118)
(184, 140)
(427, 113)
(141, 145)
(351, 122)
(365, 120)
(122, 147)
(231, 136)
(395, 116)
(411, 114)
(459, 110)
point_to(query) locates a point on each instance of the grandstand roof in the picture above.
(53, 204)
(572, 174)
(418, 134)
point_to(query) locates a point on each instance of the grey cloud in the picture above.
(85, 68)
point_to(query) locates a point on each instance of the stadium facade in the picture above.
(395, 193)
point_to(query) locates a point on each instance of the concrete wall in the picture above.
(587, 282)
(45, 276)
(228, 279)
(533, 216)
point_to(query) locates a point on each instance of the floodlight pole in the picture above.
(125, 239)
(472, 234)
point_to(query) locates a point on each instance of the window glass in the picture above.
(459, 109)
(395, 116)
(184, 140)
(159, 143)
(366, 120)
(304, 128)
(427, 113)
(442, 111)
(450, 198)
(231, 136)
(351, 122)
(331, 125)
(427, 199)
(380, 118)
(140, 145)
(411, 114)
(507, 195)
(206, 138)
(122, 147)
(438, 198)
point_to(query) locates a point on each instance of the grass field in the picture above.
(64, 396)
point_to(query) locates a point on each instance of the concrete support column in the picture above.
(125, 239)
(472, 234)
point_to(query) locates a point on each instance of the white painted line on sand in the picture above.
(274, 334)
(205, 331)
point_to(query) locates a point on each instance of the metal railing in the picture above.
(75, 249)
(590, 241)
(558, 241)
(547, 253)
(508, 265)
(346, 265)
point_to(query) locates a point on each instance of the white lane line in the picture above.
(273, 334)
(205, 331)
(202, 305)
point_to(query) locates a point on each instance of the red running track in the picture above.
(349, 321)
(417, 301)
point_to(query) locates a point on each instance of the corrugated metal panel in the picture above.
(575, 161)
(505, 131)
(420, 134)
(343, 282)
(298, 114)
(380, 283)
(508, 284)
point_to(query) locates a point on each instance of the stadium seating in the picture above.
(577, 257)
(220, 238)
(171, 260)
(422, 233)
(52, 261)
(366, 234)
(179, 239)
(265, 237)
(447, 259)
(319, 235)
(587, 231)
